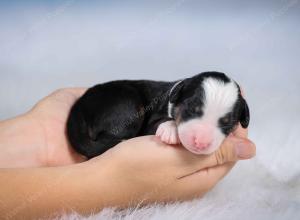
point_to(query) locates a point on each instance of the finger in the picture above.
(242, 92)
(197, 184)
(78, 91)
(231, 150)
(240, 132)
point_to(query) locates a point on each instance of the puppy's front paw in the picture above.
(167, 132)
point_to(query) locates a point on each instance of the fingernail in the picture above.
(244, 150)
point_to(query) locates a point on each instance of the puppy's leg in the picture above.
(167, 132)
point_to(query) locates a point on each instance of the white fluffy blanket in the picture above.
(266, 187)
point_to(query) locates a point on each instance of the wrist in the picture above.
(104, 179)
(109, 184)
(93, 186)
(116, 183)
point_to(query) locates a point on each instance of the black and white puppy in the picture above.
(198, 112)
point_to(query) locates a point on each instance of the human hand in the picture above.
(145, 170)
(50, 115)
(138, 171)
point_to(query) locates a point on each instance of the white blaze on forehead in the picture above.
(219, 97)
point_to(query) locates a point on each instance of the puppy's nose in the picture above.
(202, 144)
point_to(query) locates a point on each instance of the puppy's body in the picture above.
(111, 112)
(181, 111)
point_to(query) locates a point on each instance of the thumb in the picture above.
(210, 167)
(233, 149)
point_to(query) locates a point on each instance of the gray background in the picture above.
(46, 45)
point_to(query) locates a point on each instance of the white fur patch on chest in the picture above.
(219, 98)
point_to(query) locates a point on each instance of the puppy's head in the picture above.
(207, 108)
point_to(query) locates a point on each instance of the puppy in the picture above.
(198, 112)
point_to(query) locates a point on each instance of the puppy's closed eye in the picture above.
(225, 120)
(198, 109)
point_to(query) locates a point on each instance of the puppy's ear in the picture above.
(244, 113)
(175, 91)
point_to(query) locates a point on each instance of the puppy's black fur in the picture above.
(111, 112)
